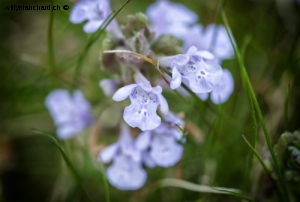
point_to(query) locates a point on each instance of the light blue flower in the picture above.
(94, 11)
(159, 146)
(170, 18)
(71, 114)
(212, 38)
(222, 90)
(199, 70)
(126, 172)
(144, 100)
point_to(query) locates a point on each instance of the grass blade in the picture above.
(66, 159)
(202, 188)
(50, 41)
(253, 100)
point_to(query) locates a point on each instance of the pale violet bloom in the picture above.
(71, 114)
(126, 172)
(160, 146)
(213, 38)
(170, 18)
(145, 100)
(94, 11)
(199, 70)
(222, 90)
(109, 86)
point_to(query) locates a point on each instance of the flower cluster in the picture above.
(160, 138)
(205, 47)
(180, 22)
(158, 147)
(201, 72)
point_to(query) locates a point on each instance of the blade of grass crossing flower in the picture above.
(203, 188)
(50, 42)
(252, 98)
(67, 160)
(92, 39)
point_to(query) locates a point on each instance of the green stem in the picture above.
(257, 155)
(50, 41)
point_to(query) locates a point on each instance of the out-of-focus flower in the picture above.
(212, 38)
(199, 70)
(145, 100)
(126, 172)
(94, 11)
(159, 146)
(170, 18)
(71, 114)
(109, 86)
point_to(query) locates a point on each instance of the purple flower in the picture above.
(109, 86)
(222, 90)
(160, 146)
(199, 70)
(213, 38)
(71, 114)
(126, 172)
(94, 11)
(144, 100)
(170, 18)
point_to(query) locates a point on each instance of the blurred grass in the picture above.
(215, 154)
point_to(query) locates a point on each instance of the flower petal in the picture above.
(92, 26)
(172, 61)
(68, 130)
(165, 151)
(203, 96)
(142, 142)
(163, 104)
(79, 12)
(224, 89)
(176, 79)
(126, 174)
(144, 118)
(108, 153)
(60, 106)
(123, 92)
